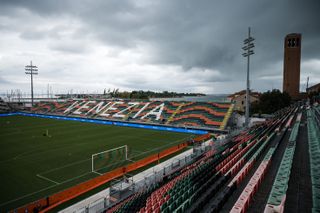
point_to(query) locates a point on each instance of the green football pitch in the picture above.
(34, 164)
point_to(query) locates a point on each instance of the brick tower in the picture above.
(291, 65)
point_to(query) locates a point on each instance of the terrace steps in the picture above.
(174, 113)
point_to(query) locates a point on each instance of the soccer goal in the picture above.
(109, 159)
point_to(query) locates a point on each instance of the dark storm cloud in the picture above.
(208, 34)
(38, 6)
(202, 34)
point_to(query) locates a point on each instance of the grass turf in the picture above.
(33, 165)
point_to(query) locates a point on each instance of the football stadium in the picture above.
(142, 106)
(56, 145)
(156, 156)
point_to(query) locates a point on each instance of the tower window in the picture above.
(293, 42)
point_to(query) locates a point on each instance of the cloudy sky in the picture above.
(176, 45)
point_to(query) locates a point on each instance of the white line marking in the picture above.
(39, 176)
(56, 183)
(97, 173)
(76, 177)
(67, 165)
(49, 187)
(27, 195)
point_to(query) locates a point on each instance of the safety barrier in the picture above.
(54, 200)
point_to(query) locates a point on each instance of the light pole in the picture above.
(31, 70)
(248, 45)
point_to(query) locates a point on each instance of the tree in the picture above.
(271, 101)
(314, 96)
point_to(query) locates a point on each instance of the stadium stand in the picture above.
(237, 166)
(277, 195)
(4, 107)
(212, 178)
(226, 117)
(246, 196)
(313, 117)
(183, 114)
(50, 107)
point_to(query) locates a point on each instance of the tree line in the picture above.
(270, 102)
(140, 94)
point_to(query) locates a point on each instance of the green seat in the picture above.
(172, 207)
(179, 201)
(166, 210)
(170, 201)
(178, 210)
(164, 205)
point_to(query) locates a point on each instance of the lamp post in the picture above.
(248, 46)
(31, 70)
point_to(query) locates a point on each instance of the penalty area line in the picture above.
(44, 189)
(47, 179)
(97, 173)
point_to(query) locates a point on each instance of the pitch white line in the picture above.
(97, 173)
(67, 165)
(27, 195)
(39, 176)
(49, 187)
(56, 183)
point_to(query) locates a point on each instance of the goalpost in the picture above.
(103, 160)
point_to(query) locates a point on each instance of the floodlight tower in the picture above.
(248, 45)
(31, 70)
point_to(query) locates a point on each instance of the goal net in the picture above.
(109, 159)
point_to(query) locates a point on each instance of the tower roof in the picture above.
(293, 35)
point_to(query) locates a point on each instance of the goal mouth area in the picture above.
(107, 160)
